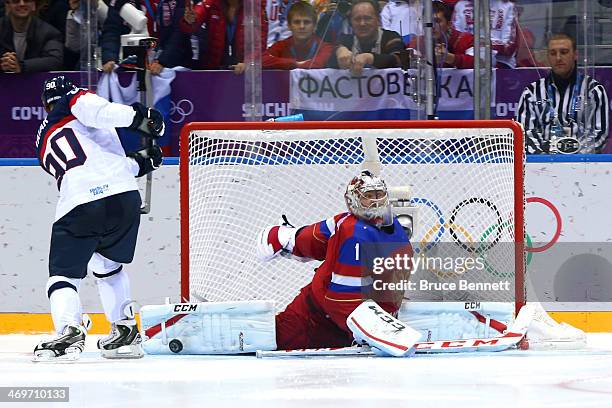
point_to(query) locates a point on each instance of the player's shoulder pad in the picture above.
(71, 97)
(345, 222)
(353, 229)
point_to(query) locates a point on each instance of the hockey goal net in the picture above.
(465, 180)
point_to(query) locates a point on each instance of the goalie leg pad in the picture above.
(370, 323)
(209, 328)
(457, 320)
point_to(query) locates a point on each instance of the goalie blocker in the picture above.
(373, 326)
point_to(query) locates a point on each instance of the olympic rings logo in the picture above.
(182, 108)
(457, 232)
(557, 233)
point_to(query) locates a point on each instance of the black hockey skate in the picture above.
(124, 341)
(67, 347)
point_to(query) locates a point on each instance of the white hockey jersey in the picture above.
(503, 27)
(78, 145)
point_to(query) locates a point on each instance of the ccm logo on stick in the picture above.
(185, 308)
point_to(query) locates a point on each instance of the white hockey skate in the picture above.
(124, 340)
(65, 348)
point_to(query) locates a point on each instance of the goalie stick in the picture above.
(504, 342)
(509, 340)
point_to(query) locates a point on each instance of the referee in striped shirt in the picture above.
(565, 112)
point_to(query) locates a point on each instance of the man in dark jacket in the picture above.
(370, 45)
(174, 47)
(110, 41)
(28, 44)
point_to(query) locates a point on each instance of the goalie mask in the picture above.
(55, 88)
(368, 199)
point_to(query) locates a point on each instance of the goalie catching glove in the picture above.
(148, 159)
(148, 120)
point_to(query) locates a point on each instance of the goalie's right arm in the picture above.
(305, 243)
(275, 239)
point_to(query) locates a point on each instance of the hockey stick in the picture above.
(509, 340)
(505, 342)
(353, 351)
(146, 204)
(137, 60)
(148, 142)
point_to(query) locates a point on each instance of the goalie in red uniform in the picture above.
(347, 243)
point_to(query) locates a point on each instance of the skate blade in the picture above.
(124, 352)
(48, 356)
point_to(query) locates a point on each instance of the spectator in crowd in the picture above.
(403, 17)
(503, 28)
(450, 3)
(277, 12)
(28, 44)
(54, 12)
(370, 45)
(224, 21)
(525, 42)
(72, 39)
(566, 111)
(320, 6)
(453, 49)
(174, 48)
(334, 20)
(303, 49)
(72, 31)
(110, 40)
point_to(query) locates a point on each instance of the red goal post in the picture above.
(466, 178)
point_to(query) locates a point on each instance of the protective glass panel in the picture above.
(88, 16)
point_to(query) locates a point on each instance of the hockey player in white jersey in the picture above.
(97, 215)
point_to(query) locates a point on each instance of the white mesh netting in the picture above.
(240, 181)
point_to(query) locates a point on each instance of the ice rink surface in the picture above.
(506, 379)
